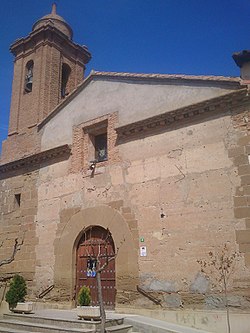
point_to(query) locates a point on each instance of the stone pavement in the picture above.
(142, 323)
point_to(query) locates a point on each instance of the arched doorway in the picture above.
(96, 241)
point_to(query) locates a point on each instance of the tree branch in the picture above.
(106, 263)
(108, 259)
(16, 247)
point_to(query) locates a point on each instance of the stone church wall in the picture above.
(180, 193)
(18, 207)
(175, 192)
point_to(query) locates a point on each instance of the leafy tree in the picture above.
(16, 292)
(6, 261)
(84, 297)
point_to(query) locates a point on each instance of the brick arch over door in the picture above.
(67, 240)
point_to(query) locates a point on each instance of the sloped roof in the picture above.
(233, 82)
(182, 77)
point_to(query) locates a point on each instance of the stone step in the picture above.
(20, 326)
(15, 326)
(68, 323)
(120, 329)
(8, 330)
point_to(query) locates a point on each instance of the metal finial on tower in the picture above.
(53, 11)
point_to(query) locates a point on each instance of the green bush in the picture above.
(84, 297)
(16, 292)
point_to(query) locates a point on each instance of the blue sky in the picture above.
(146, 36)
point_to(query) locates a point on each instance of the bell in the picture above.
(28, 85)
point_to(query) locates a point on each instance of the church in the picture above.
(160, 161)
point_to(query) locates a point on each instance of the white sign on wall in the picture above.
(143, 251)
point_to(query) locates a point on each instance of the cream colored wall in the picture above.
(134, 101)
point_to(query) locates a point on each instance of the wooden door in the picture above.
(94, 241)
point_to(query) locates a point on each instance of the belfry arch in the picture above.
(69, 235)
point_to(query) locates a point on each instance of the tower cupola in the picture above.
(56, 21)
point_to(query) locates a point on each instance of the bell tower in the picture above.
(48, 65)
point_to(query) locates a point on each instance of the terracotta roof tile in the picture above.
(167, 76)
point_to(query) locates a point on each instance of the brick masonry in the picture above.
(49, 50)
(240, 156)
(81, 145)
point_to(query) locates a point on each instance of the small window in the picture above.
(17, 200)
(97, 142)
(65, 78)
(101, 152)
(29, 77)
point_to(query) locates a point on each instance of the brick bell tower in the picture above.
(48, 65)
